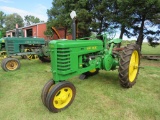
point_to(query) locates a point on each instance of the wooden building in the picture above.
(37, 30)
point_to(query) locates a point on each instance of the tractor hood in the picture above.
(74, 43)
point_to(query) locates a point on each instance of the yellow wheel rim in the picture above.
(31, 56)
(12, 65)
(62, 97)
(3, 54)
(133, 66)
(92, 71)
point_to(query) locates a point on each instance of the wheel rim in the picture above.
(12, 65)
(92, 71)
(31, 56)
(3, 54)
(133, 66)
(63, 97)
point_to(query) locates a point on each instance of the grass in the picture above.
(146, 49)
(99, 97)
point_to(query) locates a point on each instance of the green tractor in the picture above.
(26, 47)
(85, 58)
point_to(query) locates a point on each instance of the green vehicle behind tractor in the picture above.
(24, 47)
(86, 58)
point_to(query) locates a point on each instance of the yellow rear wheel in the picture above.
(133, 66)
(30, 56)
(129, 65)
(60, 96)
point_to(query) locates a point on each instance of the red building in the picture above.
(37, 30)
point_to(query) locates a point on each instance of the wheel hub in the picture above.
(133, 66)
(62, 97)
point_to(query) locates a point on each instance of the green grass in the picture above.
(99, 97)
(146, 49)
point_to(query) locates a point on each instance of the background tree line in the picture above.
(131, 17)
(8, 22)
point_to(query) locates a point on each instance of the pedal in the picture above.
(82, 76)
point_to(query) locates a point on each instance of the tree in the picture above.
(132, 17)
(2, 21)
(145, 12)
(59, 15)
(11, 21)
(29, 20)
(129, 16)
(2, 18)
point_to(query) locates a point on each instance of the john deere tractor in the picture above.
(26, 47)
(85, 58)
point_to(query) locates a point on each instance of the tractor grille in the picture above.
(10, 46)
(63, 59)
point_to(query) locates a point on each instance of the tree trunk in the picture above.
(141, 36)
(121, 35)
(65, 32)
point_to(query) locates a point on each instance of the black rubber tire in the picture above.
(45, 58)
(45, 91)
(55, 91)
(124, 65)
(6, 67)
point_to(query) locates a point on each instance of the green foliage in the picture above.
(8, 22)
(11, 21)
(2, 19)
(29, 20)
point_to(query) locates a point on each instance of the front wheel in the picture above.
(129, 65)
(60, 96)
(10, 64)
(46, 89)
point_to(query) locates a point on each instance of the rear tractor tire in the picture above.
(60, 96)
(10, 64)
(45, 58)
(129, 65)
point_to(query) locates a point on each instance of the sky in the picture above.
(37, 8)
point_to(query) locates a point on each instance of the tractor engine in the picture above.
(71, 57)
